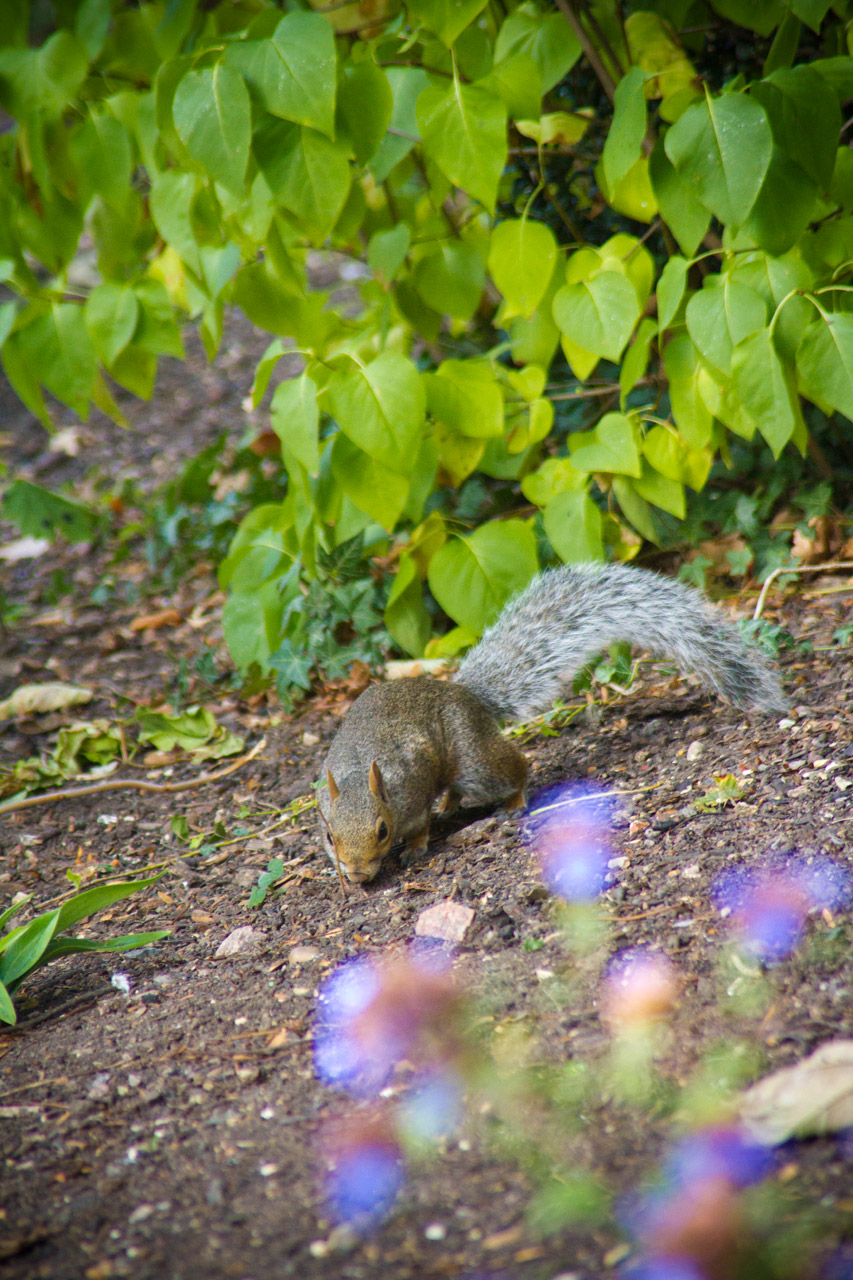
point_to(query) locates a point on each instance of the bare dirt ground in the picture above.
(173, 1130)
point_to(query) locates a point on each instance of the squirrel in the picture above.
(405, 744)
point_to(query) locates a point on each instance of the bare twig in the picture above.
(800, 568)
(130, 784)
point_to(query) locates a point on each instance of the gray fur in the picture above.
(568, 616)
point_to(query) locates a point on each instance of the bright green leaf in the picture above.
(598, 314)
(111, 313)
(306, 172)
(465, 396)
(721, 148)
(464, 132)
(374, 488)
(473, 577)
(387, 250)
(213, 119)
(447, 18)
(683, 367)
(624, 140)
(611, 447)
(766, 389)
(573, 525)
(292, 73)
(7, 1009)
(522, 255)
(365, 104)
(670, 290)
(679, 206)
(825, 362)
(546, 38)
(295, 419)
(381, 408)
(451, 279)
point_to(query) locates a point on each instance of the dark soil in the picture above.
(175, 1129)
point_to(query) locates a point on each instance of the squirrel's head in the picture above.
(358, 825)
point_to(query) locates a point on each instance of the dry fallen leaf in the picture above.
(33, 699)
(153, 621)
(815, 1096)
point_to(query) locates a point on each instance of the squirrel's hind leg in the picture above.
(496, 773)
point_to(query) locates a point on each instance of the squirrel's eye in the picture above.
(382, 830)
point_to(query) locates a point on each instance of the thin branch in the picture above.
(591, 53)
(130, 784)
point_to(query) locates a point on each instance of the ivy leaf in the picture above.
(381, 408)
(598, 315)
(721, 148)
(213, 119)
(38, 512)
(522, 255)
(473, 577)
(292, 74)
(825, 362)
(464, 132)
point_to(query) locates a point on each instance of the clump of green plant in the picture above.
(29, 946)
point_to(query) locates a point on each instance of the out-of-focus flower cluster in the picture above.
(377, 1016)
(640, 988)
(769, 905)
(691, 1225)
(568, 828)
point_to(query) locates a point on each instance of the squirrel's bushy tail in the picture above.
(567, 616)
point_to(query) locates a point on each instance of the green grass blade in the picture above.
(92, 900)
(14, 909)
(7, 1009)
(71, 946)
(25, 950)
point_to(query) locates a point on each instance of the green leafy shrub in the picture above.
(602, 251)
(27, 947)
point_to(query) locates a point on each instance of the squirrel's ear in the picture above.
(377, 783)
(333, 786)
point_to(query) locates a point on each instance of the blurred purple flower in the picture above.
(693, 1218)
(568, 827)
(339, 1057)
(372, 1013)
(433, 1107)
(640, 987)
(717, 1153)
(769, 905)
(366, 1172)
(663, 1269)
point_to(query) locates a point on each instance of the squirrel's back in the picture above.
(567, 616)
